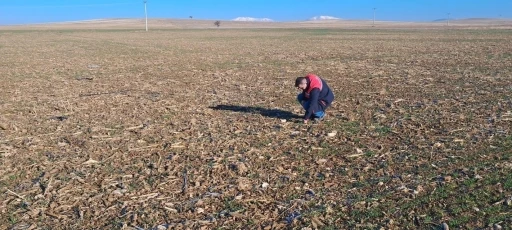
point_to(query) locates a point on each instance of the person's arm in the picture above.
(313, 103)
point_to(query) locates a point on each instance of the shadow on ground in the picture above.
(273, 113)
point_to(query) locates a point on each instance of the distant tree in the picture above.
(217, 23)
(190, 17)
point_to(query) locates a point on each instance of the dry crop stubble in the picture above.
(105, 129)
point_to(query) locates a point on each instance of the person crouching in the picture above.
(315, 98)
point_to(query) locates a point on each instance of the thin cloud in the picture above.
(67, 6)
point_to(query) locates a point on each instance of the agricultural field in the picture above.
(200, 129)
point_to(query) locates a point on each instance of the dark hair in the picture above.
(298, 81)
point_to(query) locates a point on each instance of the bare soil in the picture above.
(199, 129)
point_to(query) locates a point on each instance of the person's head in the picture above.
(301, 83)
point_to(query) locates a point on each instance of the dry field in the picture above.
(199, 129)
(164, 23)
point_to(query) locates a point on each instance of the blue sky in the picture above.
(39, 11)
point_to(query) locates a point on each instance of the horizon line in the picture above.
(272, 21)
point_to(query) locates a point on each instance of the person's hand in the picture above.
(305, 121)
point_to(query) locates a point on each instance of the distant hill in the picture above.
(320, 18)
(471, 20)
(478, 19)
(249, 19)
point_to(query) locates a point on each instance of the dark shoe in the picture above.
(318, 119)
